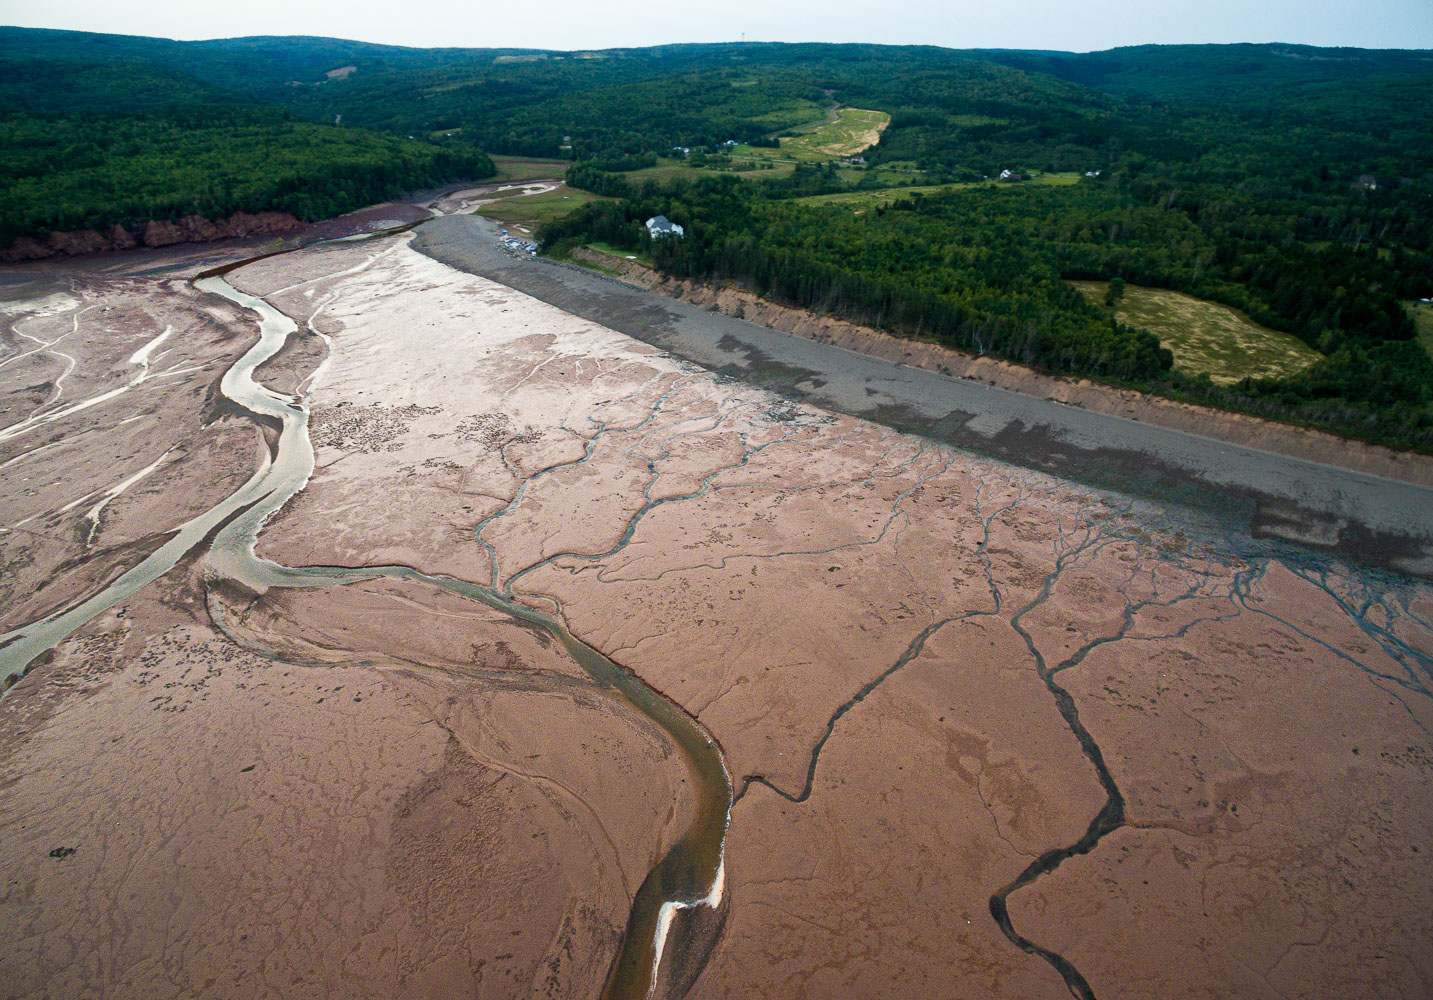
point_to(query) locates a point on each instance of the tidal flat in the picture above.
(984, 730)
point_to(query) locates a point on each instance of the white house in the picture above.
(660, 225)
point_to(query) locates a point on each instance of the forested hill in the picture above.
(100, 134)
(956, 110)
(1243, 73)
(1293, 183)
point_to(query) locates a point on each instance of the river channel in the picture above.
(691, 874)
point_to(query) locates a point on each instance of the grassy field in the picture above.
(758, 168)
(852, 131)
(609, 249)
(1423, 318)
(860, 201)
(536, 209)
(1205, 336)
(522, 168)
(608, 259)
(588, 263)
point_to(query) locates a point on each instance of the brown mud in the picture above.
(1182, 758)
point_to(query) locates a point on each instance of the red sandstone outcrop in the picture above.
(155, 233)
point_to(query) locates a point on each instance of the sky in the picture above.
(580, 24)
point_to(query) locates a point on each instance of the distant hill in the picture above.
(1221, 110)
(1221, 73)
(98, 131)
(1294, 183)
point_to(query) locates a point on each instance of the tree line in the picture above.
(64, 174)
(985, 270)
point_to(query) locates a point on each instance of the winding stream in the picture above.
(691, 874)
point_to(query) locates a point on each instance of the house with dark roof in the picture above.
(660, 225)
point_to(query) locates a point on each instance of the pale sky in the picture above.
(577, 24)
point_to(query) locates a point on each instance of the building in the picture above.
(660, 225)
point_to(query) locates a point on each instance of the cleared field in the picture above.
(536, 209)
(1205, 336)
(666, 169)
(758, 165)
(863, 200)
(852, 131)
(1422, 314)
(523, 168)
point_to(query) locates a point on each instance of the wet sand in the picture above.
(1176, 757)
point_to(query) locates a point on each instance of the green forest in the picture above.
(138, 169)
(1291, 183)
(985, 270)
(88, 145)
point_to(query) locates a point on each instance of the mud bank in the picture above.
(204, 243)
(683, 876)
(157, 233)
(110, 433)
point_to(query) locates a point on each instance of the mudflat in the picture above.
(1359, 514)
(989, 730)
